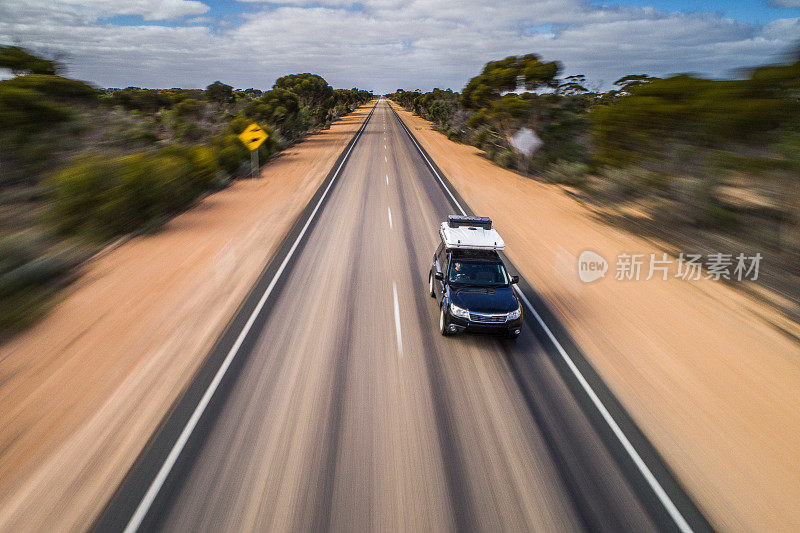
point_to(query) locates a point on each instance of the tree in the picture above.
(219, 93)
(312, 89)
(573, 85)
(508, 75)
(20, 61)
(628, 83)
(279, 108)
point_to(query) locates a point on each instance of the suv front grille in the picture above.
(484, 318)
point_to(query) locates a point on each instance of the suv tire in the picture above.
(443, 321)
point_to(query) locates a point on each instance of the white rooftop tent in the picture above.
(474, 233)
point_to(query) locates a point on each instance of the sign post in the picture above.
(253, 163)
(252, 137)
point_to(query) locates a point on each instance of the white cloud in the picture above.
(87, 11)
(385, 44)
(785, 3)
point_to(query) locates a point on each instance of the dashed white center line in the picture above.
(385, 159)
(387, 179)
(397, 322)
(389, 210)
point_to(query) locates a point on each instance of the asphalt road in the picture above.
(351, 412)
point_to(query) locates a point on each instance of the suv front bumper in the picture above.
(461, 325)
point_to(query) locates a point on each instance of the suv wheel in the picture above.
(443, 321)
(430, 285)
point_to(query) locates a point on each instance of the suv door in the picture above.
(442, 260)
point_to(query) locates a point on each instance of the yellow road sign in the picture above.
(253, 136)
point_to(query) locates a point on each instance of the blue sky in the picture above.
(386, 44)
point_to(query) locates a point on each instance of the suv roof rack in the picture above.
(457, 221)
(474, 233)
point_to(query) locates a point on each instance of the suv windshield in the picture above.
(478, 273)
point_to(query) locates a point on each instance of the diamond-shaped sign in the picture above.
(253, 136)
(526, 141)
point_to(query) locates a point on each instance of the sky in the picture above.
(382, 45)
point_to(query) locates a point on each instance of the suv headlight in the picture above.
(459, 312)
(513, 315)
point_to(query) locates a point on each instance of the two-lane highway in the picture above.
(351, 412)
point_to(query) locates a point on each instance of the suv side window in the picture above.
(439, 257)
(445, 262)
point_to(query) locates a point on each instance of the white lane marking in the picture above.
(648, 475)
(661, 494)
(385, 159)
(433, 169)
(397, 322)
(169, 462)
(384, 147)
(387, 179)
(389, 210)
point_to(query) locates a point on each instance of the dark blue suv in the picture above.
(470, 282)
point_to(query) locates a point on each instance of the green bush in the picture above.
(230, 152)
(102, 198)
(22, 108)
(142, 133)
(54, 86)
(28, 278)
(188, 108)
(205, 167)
(567, 172)
(187, 131)
(627, 182)
(506, 158)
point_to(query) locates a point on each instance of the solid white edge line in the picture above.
(661, 494)
(397, 321)
(433, 169)
(640, 464)
(155, 486)
(389, 210)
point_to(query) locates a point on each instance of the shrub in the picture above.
(187, 131)
(102, 198)
(506, 158)
(188, 108)
(22, 108)
(230, 152)
(567, 172)
(142, 133)
(27, 278)
(54, 86)
(205, 167)
(627, 182)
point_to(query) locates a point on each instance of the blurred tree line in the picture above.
(81, 165)
(695, 156)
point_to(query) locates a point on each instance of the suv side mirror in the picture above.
(514, 279)
(439, 276)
